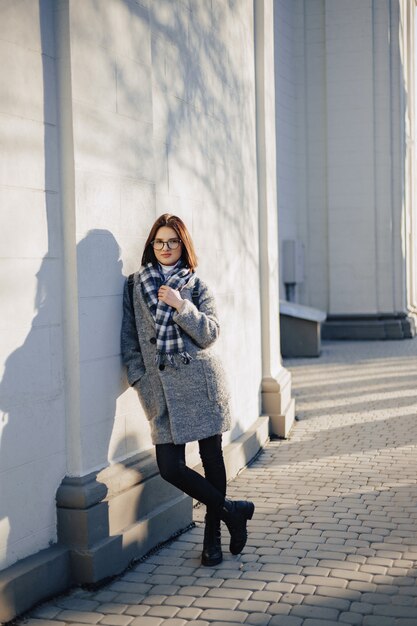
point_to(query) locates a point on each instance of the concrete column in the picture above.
(407, 32)
(276, 380)
(367, 169)
(67, 194)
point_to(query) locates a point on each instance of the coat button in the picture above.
(162, 367)
(152, 339)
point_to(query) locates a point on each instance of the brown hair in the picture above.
(188, 253)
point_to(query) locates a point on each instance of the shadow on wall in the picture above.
(102, 380)
(31, 404)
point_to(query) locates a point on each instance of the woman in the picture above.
(166, 339)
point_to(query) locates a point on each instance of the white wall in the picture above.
(163, 120)
(32, 422)
(160, 117)
(163, 109)
(341, 153)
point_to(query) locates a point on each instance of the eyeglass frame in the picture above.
(167, 244)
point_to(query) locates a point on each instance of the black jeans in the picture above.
(210, 490)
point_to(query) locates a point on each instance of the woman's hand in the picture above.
(170, 296)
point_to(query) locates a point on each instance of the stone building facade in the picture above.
(113, 112)
(346, 163)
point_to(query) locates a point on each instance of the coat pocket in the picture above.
(146, 396)
(217, 388)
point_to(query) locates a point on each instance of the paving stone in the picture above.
(263, 576)
(155, 600)
(137, 609)
(377, 620)
(320, 622)
(254, 585)
(185, 580)
(195, 590)
(410, 591)
(136, 577)
(125, 586)
(164, 610)
(325, 581)
(280, 587)
(129, 598)
(190, 613)
(160, 579)
(317, 612)
(82, 617)
(223, 615)
(255, 606)
(293, 578)
(215, 603)
(280, 608)
(174, 571)
(117, 620)
(316, 571)
(228, 592)
(258, 619)
(104, 596)
(167, 590)
(112, 608)
(396, 611)
(266, 596)
(211, 582)
(292, 598)
(351, 618)
(76, 604)
(285, 620)
(147, 621)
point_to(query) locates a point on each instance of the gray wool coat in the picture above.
(184, 404)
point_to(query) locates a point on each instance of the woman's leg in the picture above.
(172, 467)
(211, 454)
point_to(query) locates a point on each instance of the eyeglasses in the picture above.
(172, 244)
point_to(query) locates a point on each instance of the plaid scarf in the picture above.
(169, 340)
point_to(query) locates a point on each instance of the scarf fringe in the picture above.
(169, 359)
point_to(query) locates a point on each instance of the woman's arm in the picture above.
(131, 354)
(201, 323)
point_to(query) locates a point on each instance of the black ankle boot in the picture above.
(235, 515)
(212, 546)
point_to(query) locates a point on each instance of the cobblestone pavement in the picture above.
(334, 536)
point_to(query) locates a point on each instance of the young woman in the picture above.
(166, 339)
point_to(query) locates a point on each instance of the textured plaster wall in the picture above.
(32, 410)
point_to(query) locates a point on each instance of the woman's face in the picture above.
(167, 256)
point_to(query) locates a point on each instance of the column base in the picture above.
(365, 327)
(278, 403)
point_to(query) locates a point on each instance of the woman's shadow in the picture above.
(33, 440)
